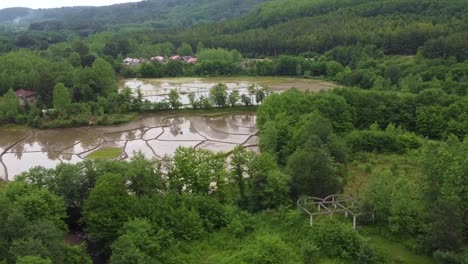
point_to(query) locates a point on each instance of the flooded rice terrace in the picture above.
(157, 90)
(155, 136)
(157, 93)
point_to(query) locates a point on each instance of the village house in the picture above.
(192, 60)
(133, 61)
(158, 59)
(26, 96)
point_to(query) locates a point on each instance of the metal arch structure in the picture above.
(335, 203)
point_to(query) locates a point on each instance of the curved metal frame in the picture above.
(331, 204)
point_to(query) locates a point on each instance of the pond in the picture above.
(156, 136)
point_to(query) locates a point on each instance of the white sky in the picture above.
(59, 3)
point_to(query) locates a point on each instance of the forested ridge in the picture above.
(393, 136)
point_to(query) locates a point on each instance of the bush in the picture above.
(450, 257)
(373, 141)
(392, 140)
(264, 249)
(338, 240)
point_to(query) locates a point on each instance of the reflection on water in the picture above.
(155, 136)
(135, 146)
(168, 148)
(160, 92)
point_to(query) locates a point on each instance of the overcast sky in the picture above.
(59, 3)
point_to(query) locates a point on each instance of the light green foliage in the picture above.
(33, 260)
(241, 160)
(333, 68)
(164, 49)
(221, 55)
(444, 184)
(196, 170)
(234, 97)
(338, 240)
(390, 140)
(36, 204)
(62, 99)
(9, 106)
(21, 69)
(32, 224)
(174, 99)
(219, 95)
(193, 100)
(138, 243)
(106, 209)
(105, 153)
(200, 47)
(144, 176)
(76, 255)
(185, 49)
(269, 186)
(265, 249)
(105, 77)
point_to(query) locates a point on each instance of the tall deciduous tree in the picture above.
(197, 171)
(9, 105)
(174, 99)
(138, 243)
(218, 95)
(107, 209)
(105, 77)
(185, 49)
(62, 99)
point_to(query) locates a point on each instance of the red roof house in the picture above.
(26, 96)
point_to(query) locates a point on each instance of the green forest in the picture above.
(394, 135)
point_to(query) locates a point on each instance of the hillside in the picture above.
(150, 14)
(295, 26)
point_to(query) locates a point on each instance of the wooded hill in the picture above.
(295, 26)
(149, 14)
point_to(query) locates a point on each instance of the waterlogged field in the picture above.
(156, 136)
(157, 90)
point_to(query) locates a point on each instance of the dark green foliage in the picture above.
(107, 209)
(380, 141)
(269, 185)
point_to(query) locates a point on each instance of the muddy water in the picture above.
(156, 136)
(159, 92)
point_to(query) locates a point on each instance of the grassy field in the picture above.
(397, 252)
(369, 164)
(105, 153)
(15, 128)
(275, 83)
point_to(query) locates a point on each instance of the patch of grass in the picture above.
(397, 252)
(15, 128)
(116, 119)
(370, 164)
(105, 153)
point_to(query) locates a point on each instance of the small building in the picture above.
(192, 60)
(176, 58)
(133, 61)
(26, 96)
(158, 59)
